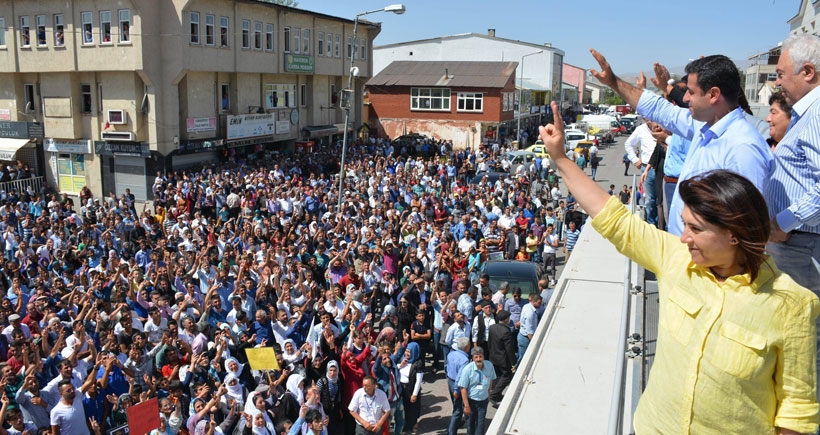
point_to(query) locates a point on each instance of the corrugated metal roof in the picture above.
(454, 74)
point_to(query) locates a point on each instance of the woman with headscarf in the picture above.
(293, 399)
(119, 415)
(241, 371)
(291, 353)
(236, 392)
(411, 371)
(255, 407)
(406, 314)
(330, 394)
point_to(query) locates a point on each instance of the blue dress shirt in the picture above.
(675, 155)
(731, 143)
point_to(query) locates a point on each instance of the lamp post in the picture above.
(521, 95)
(397, 9)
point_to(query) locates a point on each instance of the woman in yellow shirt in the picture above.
(736, 337)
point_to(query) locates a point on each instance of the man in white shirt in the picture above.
(640, 145)
(68, 416)
(369, 407)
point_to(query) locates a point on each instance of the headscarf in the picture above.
(293, 387)
(291, 358)
(387, 333)
(415, 353)
(252, 410)
(332, 383)
(235, 392)
(238, 371)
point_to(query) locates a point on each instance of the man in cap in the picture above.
(482, 323)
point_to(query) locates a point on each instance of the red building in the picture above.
(465, 102)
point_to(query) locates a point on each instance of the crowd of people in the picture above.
(111, 303)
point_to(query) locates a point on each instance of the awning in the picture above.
(313, 131)
(9, 147)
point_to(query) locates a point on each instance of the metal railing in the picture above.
(35, 183)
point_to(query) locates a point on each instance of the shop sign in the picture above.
(298, 63)
(5, 114)
(250, 141)
(282, 127)
(137, 149)
(74, 146)
(251, 125)
(14, 129)
(201, 124)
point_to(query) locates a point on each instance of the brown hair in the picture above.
(730, 201)
(780, 99)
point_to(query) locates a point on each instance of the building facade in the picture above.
(465, 102)
(127, 88)
(577, 78)
(806, 19)
(539, 73)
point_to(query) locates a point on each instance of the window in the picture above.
(59, 29)
(430, 99)
(70, 172)
(269, 37)
(349, 47)
(223, 31)
(225, 96)
(297, 39)
(320, 36)
(246, 33)
(470, 101)
(363, 46)
(41, 30)
(25, 31)
(194, 27)
(280, 96)
(333, 97)
(85, 99)
(338, 46)
(28, 93)
(105, 27)
(329, 48)
(209, 29)
(287, 39)
(88, 31)
(303, 95)
(2, 32)
(257, 35)
(125, 25)
(306, 41)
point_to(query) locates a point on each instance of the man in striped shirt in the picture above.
(793, 193)
(572, 235)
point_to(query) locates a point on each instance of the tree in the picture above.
(610, 98)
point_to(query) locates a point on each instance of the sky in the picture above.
(631, 34)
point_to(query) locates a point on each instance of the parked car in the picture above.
(572, 137)
(522, 274)
(538, 149)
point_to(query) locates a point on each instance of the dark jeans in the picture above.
(550, 261)
(475, 422)
(458, 409)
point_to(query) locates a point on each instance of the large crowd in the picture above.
(110, 304)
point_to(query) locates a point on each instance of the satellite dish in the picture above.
(29, 107)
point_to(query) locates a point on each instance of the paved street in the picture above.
(436, 405)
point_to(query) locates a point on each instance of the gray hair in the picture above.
(477, 351)
(803, 49)
(463, 343)
(504, 285)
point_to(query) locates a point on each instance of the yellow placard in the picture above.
(262, 358)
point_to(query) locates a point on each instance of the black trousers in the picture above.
(503, 378)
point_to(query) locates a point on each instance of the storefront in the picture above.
(18, 141)
(124, 167)
(68, 159)
(251, 136)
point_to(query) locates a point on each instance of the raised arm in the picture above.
(631, 94)
(587, 192)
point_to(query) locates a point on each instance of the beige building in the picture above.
(124, 89)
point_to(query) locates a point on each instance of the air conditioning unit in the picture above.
(117, 117)
(118, 136)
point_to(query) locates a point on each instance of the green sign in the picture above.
(297, 63)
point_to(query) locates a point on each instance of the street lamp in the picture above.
(397, 9)
(521, 94)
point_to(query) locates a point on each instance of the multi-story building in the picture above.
(806, 19)
(123, 88)
(539, 72)
(760, 80)
(464, 102)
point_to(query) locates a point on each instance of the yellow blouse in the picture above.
(732, 357)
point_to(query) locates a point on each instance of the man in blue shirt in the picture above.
(721, 136)
(476, 382)
(529, 322)
(456, 361)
